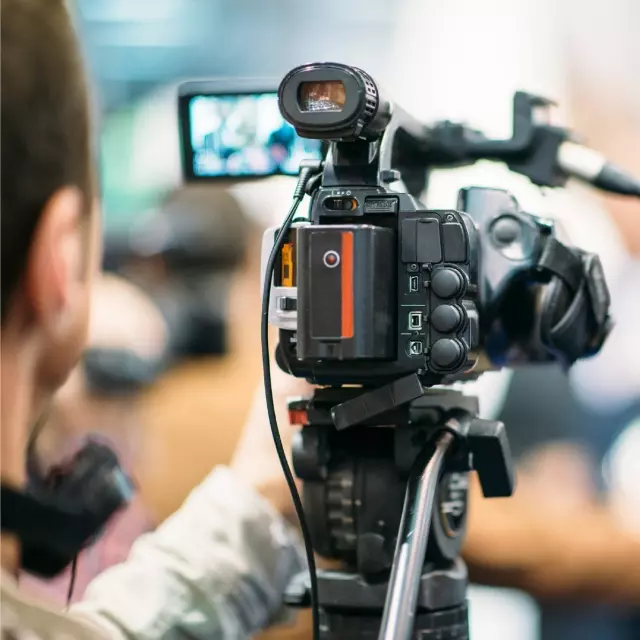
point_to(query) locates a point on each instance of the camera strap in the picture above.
(573, 319)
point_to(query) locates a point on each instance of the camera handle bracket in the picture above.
(532, 150)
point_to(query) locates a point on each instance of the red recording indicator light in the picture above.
(331, 259)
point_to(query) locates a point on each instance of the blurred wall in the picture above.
(135, 45)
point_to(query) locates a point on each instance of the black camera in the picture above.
(374, 286)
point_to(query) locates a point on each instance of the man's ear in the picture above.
(54, 271)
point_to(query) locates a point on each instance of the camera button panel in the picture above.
(437, 272)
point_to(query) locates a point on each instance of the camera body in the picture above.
(376, 287)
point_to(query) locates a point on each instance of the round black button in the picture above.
(446, 318)
(446, 353)
(447, 283)
(508, 236)
(506, 230)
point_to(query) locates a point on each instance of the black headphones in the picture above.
(63, 511)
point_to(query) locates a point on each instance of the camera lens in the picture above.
(329, 95)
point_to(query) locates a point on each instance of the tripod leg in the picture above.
(404, 583)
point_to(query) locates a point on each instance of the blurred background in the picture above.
(187, 257)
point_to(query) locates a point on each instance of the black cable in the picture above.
(72, 580)
(36, 476)
(305, 174)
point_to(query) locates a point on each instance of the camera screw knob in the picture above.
(387, 176)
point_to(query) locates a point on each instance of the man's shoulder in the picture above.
(24, 618)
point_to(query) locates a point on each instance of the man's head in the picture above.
(49, 223)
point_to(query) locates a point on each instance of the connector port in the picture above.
(414, 284)
(415, 320)
(415, 348)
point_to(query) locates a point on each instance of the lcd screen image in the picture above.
(244, 135)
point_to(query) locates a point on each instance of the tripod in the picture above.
(389, 499)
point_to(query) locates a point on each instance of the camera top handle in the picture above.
(542, 152)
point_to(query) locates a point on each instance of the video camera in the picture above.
(378, 298)
(374, 286)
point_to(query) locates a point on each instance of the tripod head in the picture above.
(345, 472)
(365, 496)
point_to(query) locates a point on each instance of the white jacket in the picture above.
(216, 569)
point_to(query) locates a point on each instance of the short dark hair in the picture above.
(46, 124)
